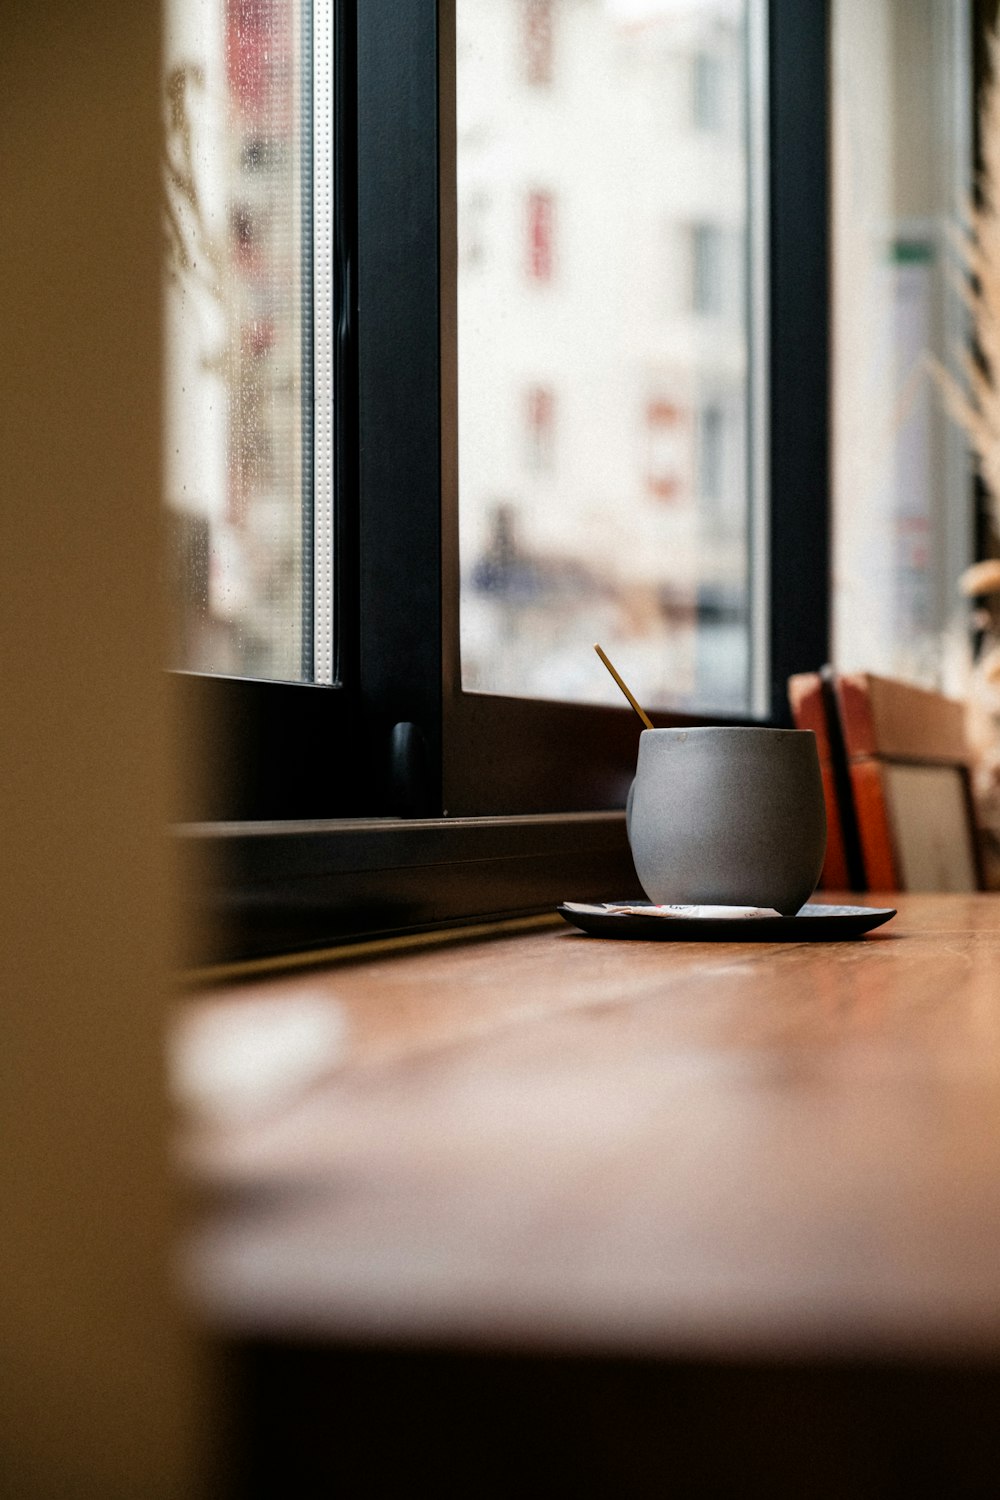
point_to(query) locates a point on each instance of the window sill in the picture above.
(256, 890)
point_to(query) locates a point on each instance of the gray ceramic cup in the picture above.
(728, 817)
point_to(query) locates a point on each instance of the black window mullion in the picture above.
(800, 560)
(399, 464)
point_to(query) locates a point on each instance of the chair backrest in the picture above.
(899, 800)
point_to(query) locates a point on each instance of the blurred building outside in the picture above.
(236, 440)
(603, 348)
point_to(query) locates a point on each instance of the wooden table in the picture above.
(723, 1212)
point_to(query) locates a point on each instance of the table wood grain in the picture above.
(551, 1142)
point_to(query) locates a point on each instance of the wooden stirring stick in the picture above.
(642, 714)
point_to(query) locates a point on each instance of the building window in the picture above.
(667, 457)
(711, 454)
(540, 421)
(707, 272)
(473, 216)
(541, 236)
(537, 22)
(707, 91)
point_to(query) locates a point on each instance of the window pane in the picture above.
(604, 374)
(902, 492)
(237, 476)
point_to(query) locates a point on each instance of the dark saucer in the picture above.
(813, 923)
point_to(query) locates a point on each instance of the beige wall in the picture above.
(97, 1379)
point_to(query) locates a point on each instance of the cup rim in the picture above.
(741, 729)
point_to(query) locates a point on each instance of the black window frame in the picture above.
(313, 800)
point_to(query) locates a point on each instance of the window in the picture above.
(540, 421)
(614, 543)
(711, 455)
(537, 19)
(707, 85)
(239, 482)
(473, 214)
(541, 232)
(901, 157)
(412, 724)
(707, 269)
(668, 450)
